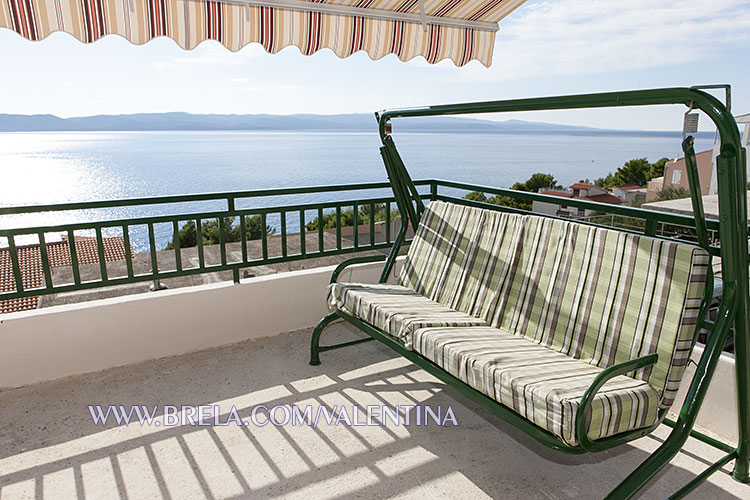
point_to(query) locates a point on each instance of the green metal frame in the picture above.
(539, 434)
(122, 227)
(438, 189)
(735, 300)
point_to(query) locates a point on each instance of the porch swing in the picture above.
(576, 334)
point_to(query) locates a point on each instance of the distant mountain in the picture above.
(355, 122)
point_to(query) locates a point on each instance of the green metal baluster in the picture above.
(152, 250)
(176, 239)
(321, 246)
(338, 227)
(222, 241)
(388, 222)
(356, 224)
(74, 257)
(302, 242)
(199, 242)
(372, 224)
(100, 252)
(14, 263)
(650, 227)
(283, 233)
(128, 250)
(243, 238)
(264, 235)
(45, 261)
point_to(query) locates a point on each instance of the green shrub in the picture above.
(347, 217)
(210, 232)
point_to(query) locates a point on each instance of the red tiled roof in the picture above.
(562, 194)
(602, 198)
(628, 187)
(581, 185)
(30, 262)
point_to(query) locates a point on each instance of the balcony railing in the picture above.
(139, 233)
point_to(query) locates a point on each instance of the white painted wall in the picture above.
(718, 414)
(59, 341)
(544, 208)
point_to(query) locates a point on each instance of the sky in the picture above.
(546, 47)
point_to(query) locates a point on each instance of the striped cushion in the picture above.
(598, 295)
(395, 309)
(460, 254)
(538, 383)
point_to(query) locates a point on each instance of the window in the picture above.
(676, 175)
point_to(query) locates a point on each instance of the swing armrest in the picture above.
(601, 379)
(362, 259)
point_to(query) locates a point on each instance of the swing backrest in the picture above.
(595, 294)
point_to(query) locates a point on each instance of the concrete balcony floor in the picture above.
(50, 448)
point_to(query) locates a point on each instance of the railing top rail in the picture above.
(627, 211)
(641, 213)
(157, 200)
(158, 219)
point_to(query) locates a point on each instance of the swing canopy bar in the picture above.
(460, 30)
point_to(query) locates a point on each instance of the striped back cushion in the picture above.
(594, 294)
(459, 254)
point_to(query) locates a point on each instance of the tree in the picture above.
(606, 182)
(476, 196)
(636, 171)
(210, 232)
(536, 182)
(657, 169)
(347, 217)
(533, 184)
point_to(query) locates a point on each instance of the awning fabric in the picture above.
(460, 30)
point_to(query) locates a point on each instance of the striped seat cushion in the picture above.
(540, 384)
(594, 294)
(395, 309)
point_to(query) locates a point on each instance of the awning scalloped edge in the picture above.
(235, 26)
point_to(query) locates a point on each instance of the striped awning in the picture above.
(460, 30)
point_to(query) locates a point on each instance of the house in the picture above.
(632, 193)
(653, 188)
(622, 191)
(675, 173)
(578, 191)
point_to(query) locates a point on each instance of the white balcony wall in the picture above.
(60, 341)
(718, 414)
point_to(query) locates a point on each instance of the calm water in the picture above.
(41, 168)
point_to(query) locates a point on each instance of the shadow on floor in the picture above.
(50, 447)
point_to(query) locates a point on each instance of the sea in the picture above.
(61, 167)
